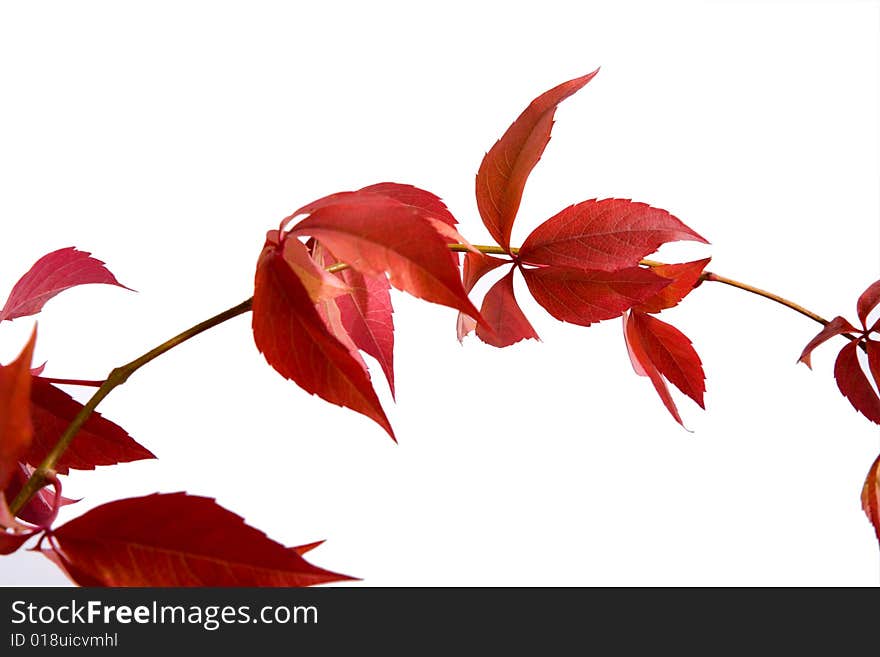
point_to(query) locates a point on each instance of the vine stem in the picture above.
(46, 470)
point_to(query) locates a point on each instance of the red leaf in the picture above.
(836, 326)
(476, 265)
(871, 496)
(609, 234)
(295, 341)
(505, 317)
(583, 296)
(505, 168)
(178, 540)
(318, 282)
(98, 442)
(644, 365)
(51, 274)
(868, 301)
(672, 353)
(375, 234)
(873, 349)
(854, 384)
(16, 430)
(10, 542)
(43, 507)
(366, 314)
(417, 198)
(685, 277)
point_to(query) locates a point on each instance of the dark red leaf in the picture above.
(376, 234)
(583, 296)
(644, 365)
(503, 314)
(506, 167)
(854, 384)
(836, 326)
(609, 234)
(98, 442)
(295, 341)
(672, 353)
(868, 301)
(872, 347)
(10, 542)
(178, 540)
(871, 496)
(417, 198)
(16, 429)
(684, 277)
(51, 274)
(476, 265)
(72, 573)
(366, 314)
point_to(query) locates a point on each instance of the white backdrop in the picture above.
(167, 137)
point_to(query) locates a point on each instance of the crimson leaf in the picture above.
(503, 314)
(51, 274)
(504, 170)
(177, 539)
(609, 234)
(16, 430)
(854, 385)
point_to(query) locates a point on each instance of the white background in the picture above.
(167, 137)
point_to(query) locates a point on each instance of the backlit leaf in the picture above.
(672, 353)
(582, 296)
(684, 277)
(98, 442)
(475, 266)
(506, 167)
(644, 365)
(868, 301)
(376, 234)
(836, 326)
(177, 540)
(871, 496)
(51, 274)
(854, 384)
(16, 429)
(295, 341)
(503, 314)
(609, 234)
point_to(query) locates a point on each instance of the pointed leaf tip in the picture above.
(504, 170)
(52, 274)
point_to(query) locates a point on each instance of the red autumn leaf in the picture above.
(376, 234)
(417, 198)
(318, 282)
(506, 167)
(871, 496)
(868, 301)
(583, 296)
(836, 326)
(295, 341)
(684, 277)
(854, 385)
(10, 542)
(503, 314)
(672, 353)
(644, 365)
(366, 313)
(98, 442)
(51, 274)
(16, 429)
(476, 265)
(609, 234)
(177, 540)
(872, 347)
